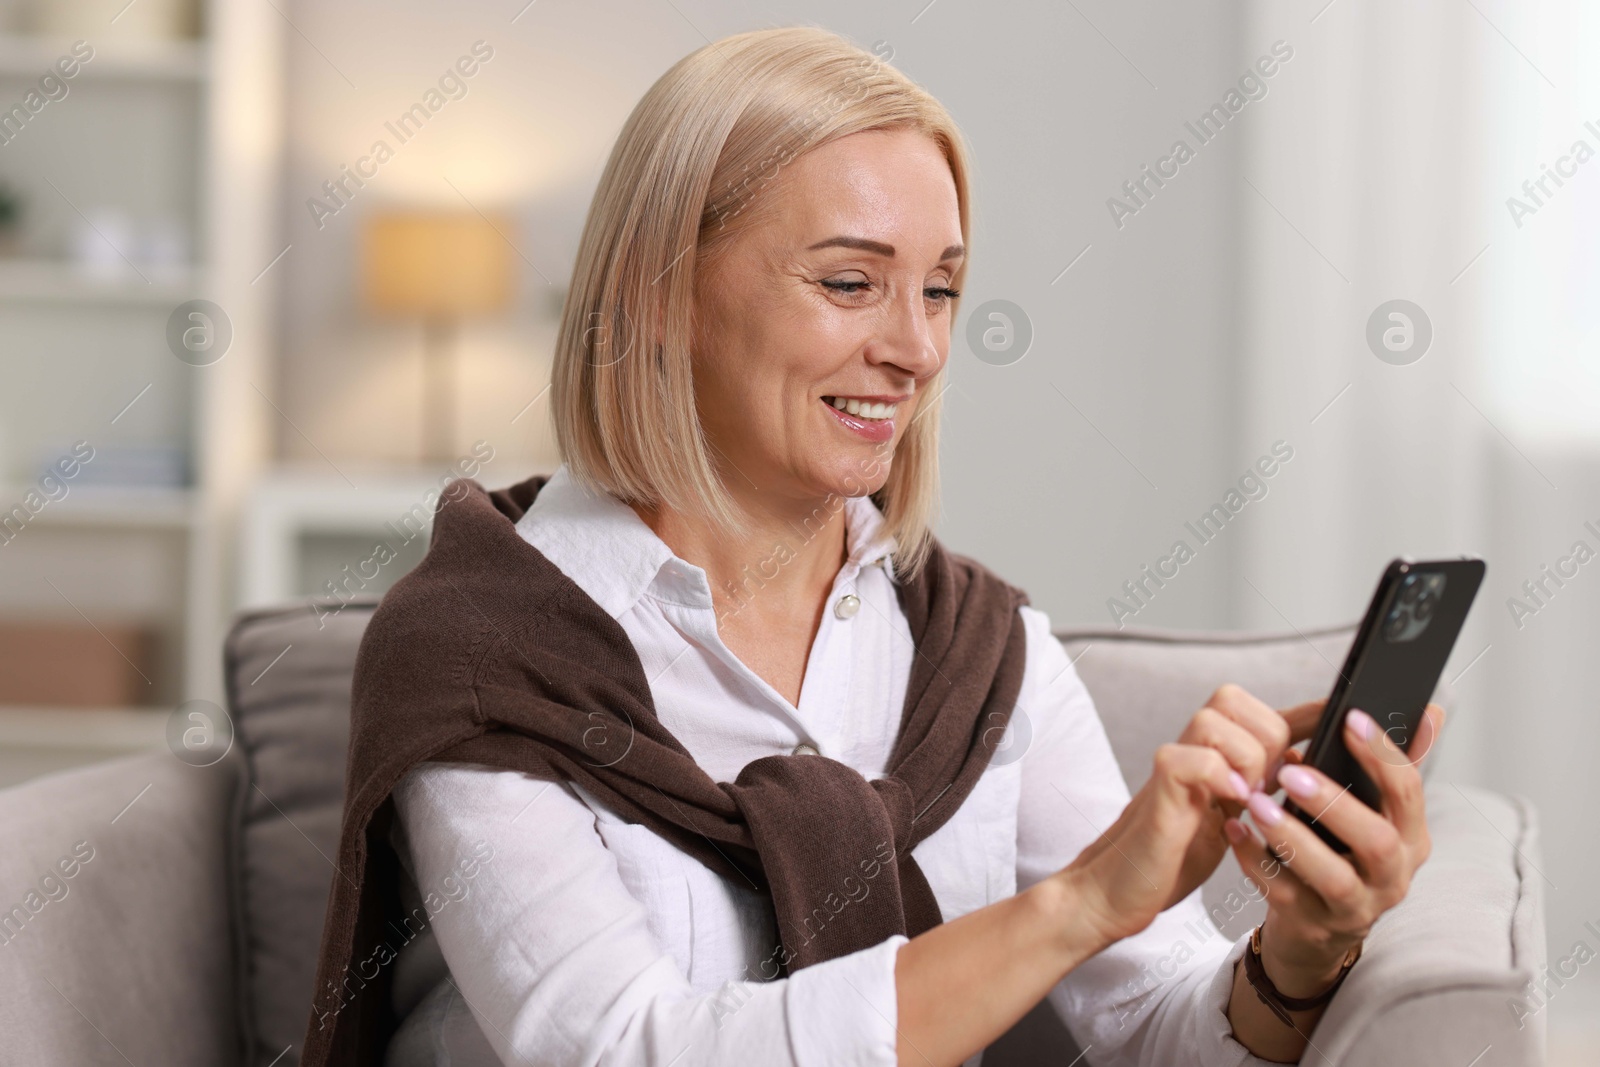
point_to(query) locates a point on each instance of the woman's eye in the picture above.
(939, 294)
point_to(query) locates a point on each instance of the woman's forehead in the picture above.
(884, 209)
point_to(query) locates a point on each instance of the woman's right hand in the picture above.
(1128, 875)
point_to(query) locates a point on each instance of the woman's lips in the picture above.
(875, 430)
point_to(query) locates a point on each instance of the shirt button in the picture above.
(847, 606)
(804, 750)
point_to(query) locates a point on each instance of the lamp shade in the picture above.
(435, 265)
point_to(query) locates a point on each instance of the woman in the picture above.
(691, 746)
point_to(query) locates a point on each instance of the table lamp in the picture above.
(439, 268)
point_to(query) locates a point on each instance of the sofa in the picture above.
(187, 930)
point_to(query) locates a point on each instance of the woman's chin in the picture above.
(822, 471)
(854, 480)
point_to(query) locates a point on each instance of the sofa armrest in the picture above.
(1446, 974)
(115, 936)
(1443, 975)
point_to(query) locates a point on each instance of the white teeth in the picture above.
(864, 409)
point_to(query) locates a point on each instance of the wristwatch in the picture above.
(1268, 993)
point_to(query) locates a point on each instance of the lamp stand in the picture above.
(439, 388)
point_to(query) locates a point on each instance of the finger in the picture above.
(1290, 755)
(1376, 846)
(1185, 768)
(1241, 748)
(1244, 708)
(1268, 872)
(1427, 734)
(1391, 771)
(1407, 746)
(1303, 719)
(1326, 873)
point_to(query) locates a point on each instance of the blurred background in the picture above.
(271, 271)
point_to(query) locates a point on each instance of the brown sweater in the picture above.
(488, 653)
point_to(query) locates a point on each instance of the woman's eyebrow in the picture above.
(878, 247)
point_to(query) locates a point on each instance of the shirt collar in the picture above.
(867, 541)
(612, 554)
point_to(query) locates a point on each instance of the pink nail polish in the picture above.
(1241, 788)
(1265, 809)
(1298, 781)
(1361, 723)
(1235, 830)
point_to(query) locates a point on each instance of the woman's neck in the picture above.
(785, 563)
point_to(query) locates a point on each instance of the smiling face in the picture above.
(819, 325)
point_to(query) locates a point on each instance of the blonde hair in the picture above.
(682, 179)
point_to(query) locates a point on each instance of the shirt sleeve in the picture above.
(1156, 998)
(555, 959)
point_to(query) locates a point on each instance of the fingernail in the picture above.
(1361, 723)
(1297, 780)
(1235, 830)
(1265, 809)
(1241, 788)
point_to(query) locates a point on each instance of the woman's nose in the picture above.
(907, 339)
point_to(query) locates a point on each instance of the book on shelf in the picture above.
(73, 664)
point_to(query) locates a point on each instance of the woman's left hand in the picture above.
(1321, 904)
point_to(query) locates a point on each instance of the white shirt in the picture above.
(584, 940)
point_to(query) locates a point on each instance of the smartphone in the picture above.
(1392, 668)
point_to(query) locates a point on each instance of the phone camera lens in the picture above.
(1410, 590)
(1424, 606)
(1395, 626)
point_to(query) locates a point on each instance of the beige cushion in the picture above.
(292, 721)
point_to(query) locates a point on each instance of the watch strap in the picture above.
(1268, 994)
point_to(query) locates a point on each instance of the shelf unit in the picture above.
(35, 741)
(58, 281)
(116, 729)
(26, 55)
(219, 103)
(117, 507)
